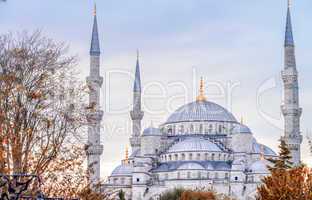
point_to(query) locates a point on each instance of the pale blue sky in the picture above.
(223, 40)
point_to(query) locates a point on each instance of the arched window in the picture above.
(192, 128)
(122, 181)
(190, 156)
(224, 157)
(169, 130)
(226, 176)
(183, 156)
(201, 128)
(170, 158)
(206, 156)
(208, 175)
(212, 156)
(210, 128)
(182, 129)
(219, 157)
(220, 129)
(198, 156)
(188, 175)
(173, 129)
(175, 156)
(198, 175)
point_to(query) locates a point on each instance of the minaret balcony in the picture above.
(136, 114)
(135, 141)
(95, 116)
(94, 149)
(291, 110)
(91, 80)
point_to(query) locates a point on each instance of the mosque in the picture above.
(200, 145)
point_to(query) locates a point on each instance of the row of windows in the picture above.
(196, 156)
(197, 175)
(199, 128)
(120, 181)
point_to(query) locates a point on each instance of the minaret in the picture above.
(136, 113)
(290, 108)
(94, 149)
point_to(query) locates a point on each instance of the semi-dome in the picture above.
(260, 166)
(262, 149)
(194, 144)
(151, 131)
(201, 111)
(190, 166)
(241, 129)
(123, 170)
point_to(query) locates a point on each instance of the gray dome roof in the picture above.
(151, 131)
(201, 111)
(259, 166)
(241, 129)
(194, 144)
(123, 170)
(191, 165)
(262, 149)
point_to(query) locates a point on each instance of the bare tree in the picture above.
(42, 112)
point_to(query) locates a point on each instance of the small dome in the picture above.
(201, 111)
(194, 144)
(241, 129)
(260, 166)
(262, 149)
(191, 166)
(123, 170)
(151, 131)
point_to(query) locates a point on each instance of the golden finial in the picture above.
(127, 155)
(201, 96)
(94, 10)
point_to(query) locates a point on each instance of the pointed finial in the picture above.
(127, 155)
(262, 152)
(289, 3)
(94, 10)
(138, 54)
(201, 96)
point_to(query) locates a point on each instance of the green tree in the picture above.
(121, 195)
(283, 161)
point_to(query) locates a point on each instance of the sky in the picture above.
(236, 46)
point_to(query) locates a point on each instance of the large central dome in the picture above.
(201, 111)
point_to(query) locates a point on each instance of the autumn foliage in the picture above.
(184, 194)
(292, 184)
(286, 182)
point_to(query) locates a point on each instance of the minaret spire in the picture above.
(95, 43)
(289, 39)
(290, 109)
(136, 113)
(94, 149)
(137, 78)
